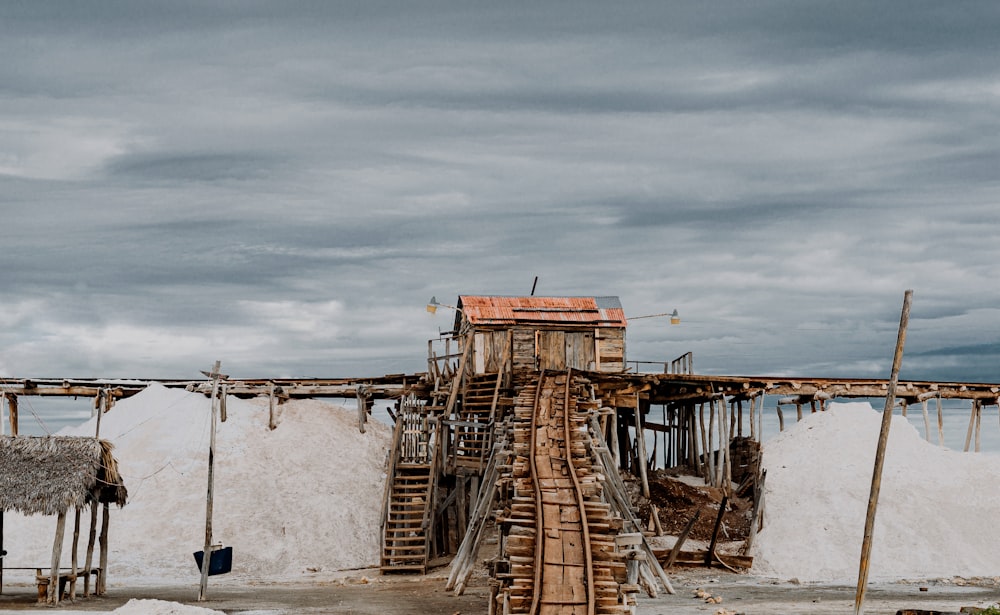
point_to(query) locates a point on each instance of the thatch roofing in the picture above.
(48, 475)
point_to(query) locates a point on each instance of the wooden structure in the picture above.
(49, 476)
(543, 333)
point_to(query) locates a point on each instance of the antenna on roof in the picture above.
(533, 285)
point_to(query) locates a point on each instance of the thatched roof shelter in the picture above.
(48, 475)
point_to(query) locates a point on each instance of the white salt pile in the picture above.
(161, 607)
(935, 512)
(303, 498)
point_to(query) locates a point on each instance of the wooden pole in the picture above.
(88, 561)
(640, 441)
(711, 437)
(53, 596)
(715, 531)
(271, 423)
(12, 412)
(760, 418)
(972, 424)
(883, 439)
(940, 413)
(102, 580)
(675, 551)
(927, 420)
(979, 421)
(707, 472)
(74, 561)
(207, 554)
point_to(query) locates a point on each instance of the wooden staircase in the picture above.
(406, 537)
(408, 501)
(481, 405)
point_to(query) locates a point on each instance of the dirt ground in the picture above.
(367, 593)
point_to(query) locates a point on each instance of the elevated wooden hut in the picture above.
(550, 333)
(48, 476)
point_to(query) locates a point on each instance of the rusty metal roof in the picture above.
(573, 311)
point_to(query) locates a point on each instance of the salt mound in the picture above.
(935, 505)
(160, 607)
(304, 497)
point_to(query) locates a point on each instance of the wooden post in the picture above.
(710, 554)
(927, 420)
(883, 439)
(613, 438)
(102, 580)
(271, 424)
(979, 421)
(675, 551)
(362, 397)
(88, 562)
(640, 437)
(972, 424)
(12, 412)
(711, 435)
(207, 554)
(74, 567)
(940, 414)
(53, 596)
(760, 418)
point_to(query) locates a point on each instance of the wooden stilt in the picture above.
(88, 562)
(693, 436)
(711, 452)
(972, 424)
(271, 420)
(640, 437)
(927, 420)
(940, 417)
(74, 562)
(12, 413)
(102, 579)
(781, 420)
(704, 444)
(760, 418)
(53, 596)
(979, 422)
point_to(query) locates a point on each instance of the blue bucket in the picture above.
(220, 562)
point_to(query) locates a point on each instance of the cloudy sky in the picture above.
(283, 185)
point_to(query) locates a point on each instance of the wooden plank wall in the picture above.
(611, 350)
(552, 349)
(489, 347)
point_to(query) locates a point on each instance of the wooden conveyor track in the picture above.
(562, 537)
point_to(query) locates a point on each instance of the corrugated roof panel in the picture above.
(590, 311)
